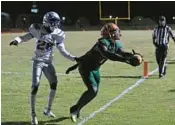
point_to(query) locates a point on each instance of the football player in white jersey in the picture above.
(47, 36)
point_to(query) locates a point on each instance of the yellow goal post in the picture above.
(116, 18)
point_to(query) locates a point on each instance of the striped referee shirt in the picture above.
(161, 36)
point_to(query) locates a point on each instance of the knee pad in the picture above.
(34, 90)
(53, 86)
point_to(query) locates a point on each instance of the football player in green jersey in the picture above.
(107, 47)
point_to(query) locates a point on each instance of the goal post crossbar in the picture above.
(116, 18)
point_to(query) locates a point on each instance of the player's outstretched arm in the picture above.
(65, 53)
(112, 56)
(124, 53)
(21, 39)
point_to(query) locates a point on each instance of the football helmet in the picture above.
(52, 20)
(110, 30)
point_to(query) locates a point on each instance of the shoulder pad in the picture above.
(59, 32)
(34, 29)
(104, 41)
(118, 44)
(36, 26)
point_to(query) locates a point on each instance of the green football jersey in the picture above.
(94, 57)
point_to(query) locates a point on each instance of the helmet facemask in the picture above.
(115, 34)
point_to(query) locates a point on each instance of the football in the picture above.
(138, 59)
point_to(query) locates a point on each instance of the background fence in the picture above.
(23, 21)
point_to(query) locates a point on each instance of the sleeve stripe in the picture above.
(60, 31)
(62, 34)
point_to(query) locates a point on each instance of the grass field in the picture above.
(151, 103)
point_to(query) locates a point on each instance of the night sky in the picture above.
(90, 9)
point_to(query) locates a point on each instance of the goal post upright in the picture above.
(116, 18)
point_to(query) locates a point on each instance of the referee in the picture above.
(161, 36)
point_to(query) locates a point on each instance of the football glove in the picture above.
(14, 42)
(134, 53)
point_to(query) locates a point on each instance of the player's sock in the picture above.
(32, 103)
(51, 98)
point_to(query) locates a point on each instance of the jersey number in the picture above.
(43, 45)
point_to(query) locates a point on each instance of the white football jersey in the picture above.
(45, 41)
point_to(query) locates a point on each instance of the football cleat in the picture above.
(161, 76)
(73, 117)
(34, 120)
(48, 113)
(74, 113)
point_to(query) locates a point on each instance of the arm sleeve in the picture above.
(112, 56)
(33, 32)
(24, 38)
(59, 36)
(124, 54)
(64, 52)
(154, 37)
(171, 33)
(120, 50)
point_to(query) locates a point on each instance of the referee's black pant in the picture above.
(161, 56)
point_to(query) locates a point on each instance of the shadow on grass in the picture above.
(168, 62)
(153, 77)
(172, 90)
(109, 77)
(151, 61)
(50, 122)
(172, 62)
(134, 77)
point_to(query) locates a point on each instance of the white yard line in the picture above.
(28, 73)
(138, 82)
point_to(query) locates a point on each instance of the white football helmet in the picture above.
(52, 20)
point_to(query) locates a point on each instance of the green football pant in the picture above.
(92, 80)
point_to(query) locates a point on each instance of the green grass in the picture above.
(151, 103)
